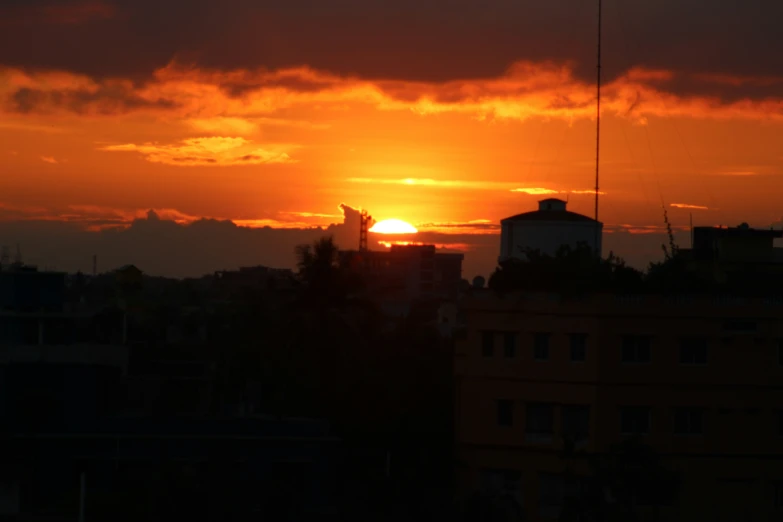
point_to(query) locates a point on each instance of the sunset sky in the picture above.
(450, 116)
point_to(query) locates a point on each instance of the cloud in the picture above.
(223, 125)
(738, 173)
(428, 182)
(31, 127)
(468, 184)
(208, 151)
(171, 242)
(49, 159)
(219, 100)
(469, 40)
(688, 206)
(587, 191)
(311, 214)
(535, 191)
(642, 229)
(161, 241)
(55, 13)
(477, 226)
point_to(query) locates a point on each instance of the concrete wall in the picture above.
(546, 236)
(737, 390)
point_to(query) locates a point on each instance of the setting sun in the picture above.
(393, 226)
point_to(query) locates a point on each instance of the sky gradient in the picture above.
(273, 114)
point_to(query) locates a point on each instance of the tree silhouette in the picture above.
(569, 271)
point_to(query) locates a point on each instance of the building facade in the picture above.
(723, 252)
(547, 229)
(408, 271)
(697, 380)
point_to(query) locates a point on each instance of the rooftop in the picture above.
(741, 231)
(550, 215)
(550, 209)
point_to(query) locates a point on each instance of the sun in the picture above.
(393, 226)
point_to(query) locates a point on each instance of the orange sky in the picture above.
(274, 151)
(285, 146)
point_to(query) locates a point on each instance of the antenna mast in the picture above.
(363, 227)
(598, 126)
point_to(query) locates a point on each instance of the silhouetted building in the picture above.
(724, 251)
(231, 283)
(545, 382)
(195, 468)
(547, 229)
(408, 271)
(60, 368)
(25, 289)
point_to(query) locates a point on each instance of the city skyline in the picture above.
(274, 115)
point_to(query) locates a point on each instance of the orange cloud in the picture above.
(473, 227)
(587, 191)
(642, 229)
(221, 125)
(428, 182)
(97, 217)
(535, 191)
(738, 173)
(687, 205)
(467, 184)
(208, 151)
(527, 89)
(49, 159)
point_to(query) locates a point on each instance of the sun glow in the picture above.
(393, 226)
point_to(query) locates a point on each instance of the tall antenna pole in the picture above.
(364, 225)
(598, 127)
(691, 219)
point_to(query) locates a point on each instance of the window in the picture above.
(541, 346)
(780, 352)
(780, 423)
(556, 492)
(693, 351)
(688, 421)
(510, 344)
(740, 326)
(539, 422)
(487, 344)
(635, 420)
(576, 422)
(501, 481)
(578, 347)
(636, 349)
(505, 412)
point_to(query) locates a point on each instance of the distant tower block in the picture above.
(363, 227)
(5, 255)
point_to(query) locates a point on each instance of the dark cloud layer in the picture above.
(108, 100)
(404, 39)
(163, 247)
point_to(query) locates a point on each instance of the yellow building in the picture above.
(698, 380)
